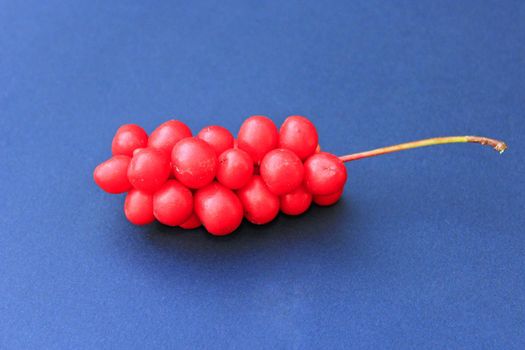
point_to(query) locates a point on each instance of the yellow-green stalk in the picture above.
(496, 144)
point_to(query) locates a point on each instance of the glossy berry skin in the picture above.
(257, 136)
(168, 134)
(111, 175)
(324, 174)
(138, 207)
(194, 162)
(219, 138)
(218, 208)
(135, 151)
(296, 202)
(327, 199)
(282, 171)
(299, 135)
(235, 168)
(192, 223)
(260, 205)
(149, 169)
(128, 138)
(173, 203)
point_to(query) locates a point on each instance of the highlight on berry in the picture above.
(215, 180)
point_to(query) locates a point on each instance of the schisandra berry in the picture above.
(260, 205)
(327, 199)
(264, 166)
(149, 169)
(257, 136)
(173, 203)
(299, 135)
(235, 168)
(219, 138)
(111, 175)
(192, 223)
(127, 139)
(324, 174)
(218, 208)
(296, 202)
(138, 207)
(282, 171)
(168, 134)
(194, 162)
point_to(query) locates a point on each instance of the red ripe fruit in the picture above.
(149, 169)
(168, 134)
(260, 205)
(173, 204)
(138, 207)
(218, 208)
(194, 162)
(128, 138)
(324, 174)
(191, 223)
(299, 135)
(219, 138)
(282, 171)
(258, 135)
(111, 175)
(328, 199)
(296, 202)
(235, 168)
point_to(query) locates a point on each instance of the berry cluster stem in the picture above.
(496, 144)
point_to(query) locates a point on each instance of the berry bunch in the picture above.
(214, 180)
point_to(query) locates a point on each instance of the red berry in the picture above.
(318, 149)
(149, 169)
(194, 162)
(138, 207)
(168, 134)
(327, 199)
(218, 208)
(282, 171)
(219, 138)
(173, 203)
(299, 135)
(235, 168)
(192, 223)
(260, 204)
(111, 175)
(324, 174)
(128, 138)
(258, 135)
(296, 202)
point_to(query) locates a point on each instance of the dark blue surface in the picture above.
(426, 250)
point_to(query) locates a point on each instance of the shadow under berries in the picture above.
(319, 226)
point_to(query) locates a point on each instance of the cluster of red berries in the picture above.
(215, 180)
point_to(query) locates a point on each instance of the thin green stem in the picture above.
(496, 144)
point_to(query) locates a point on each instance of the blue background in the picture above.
(426, 249)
